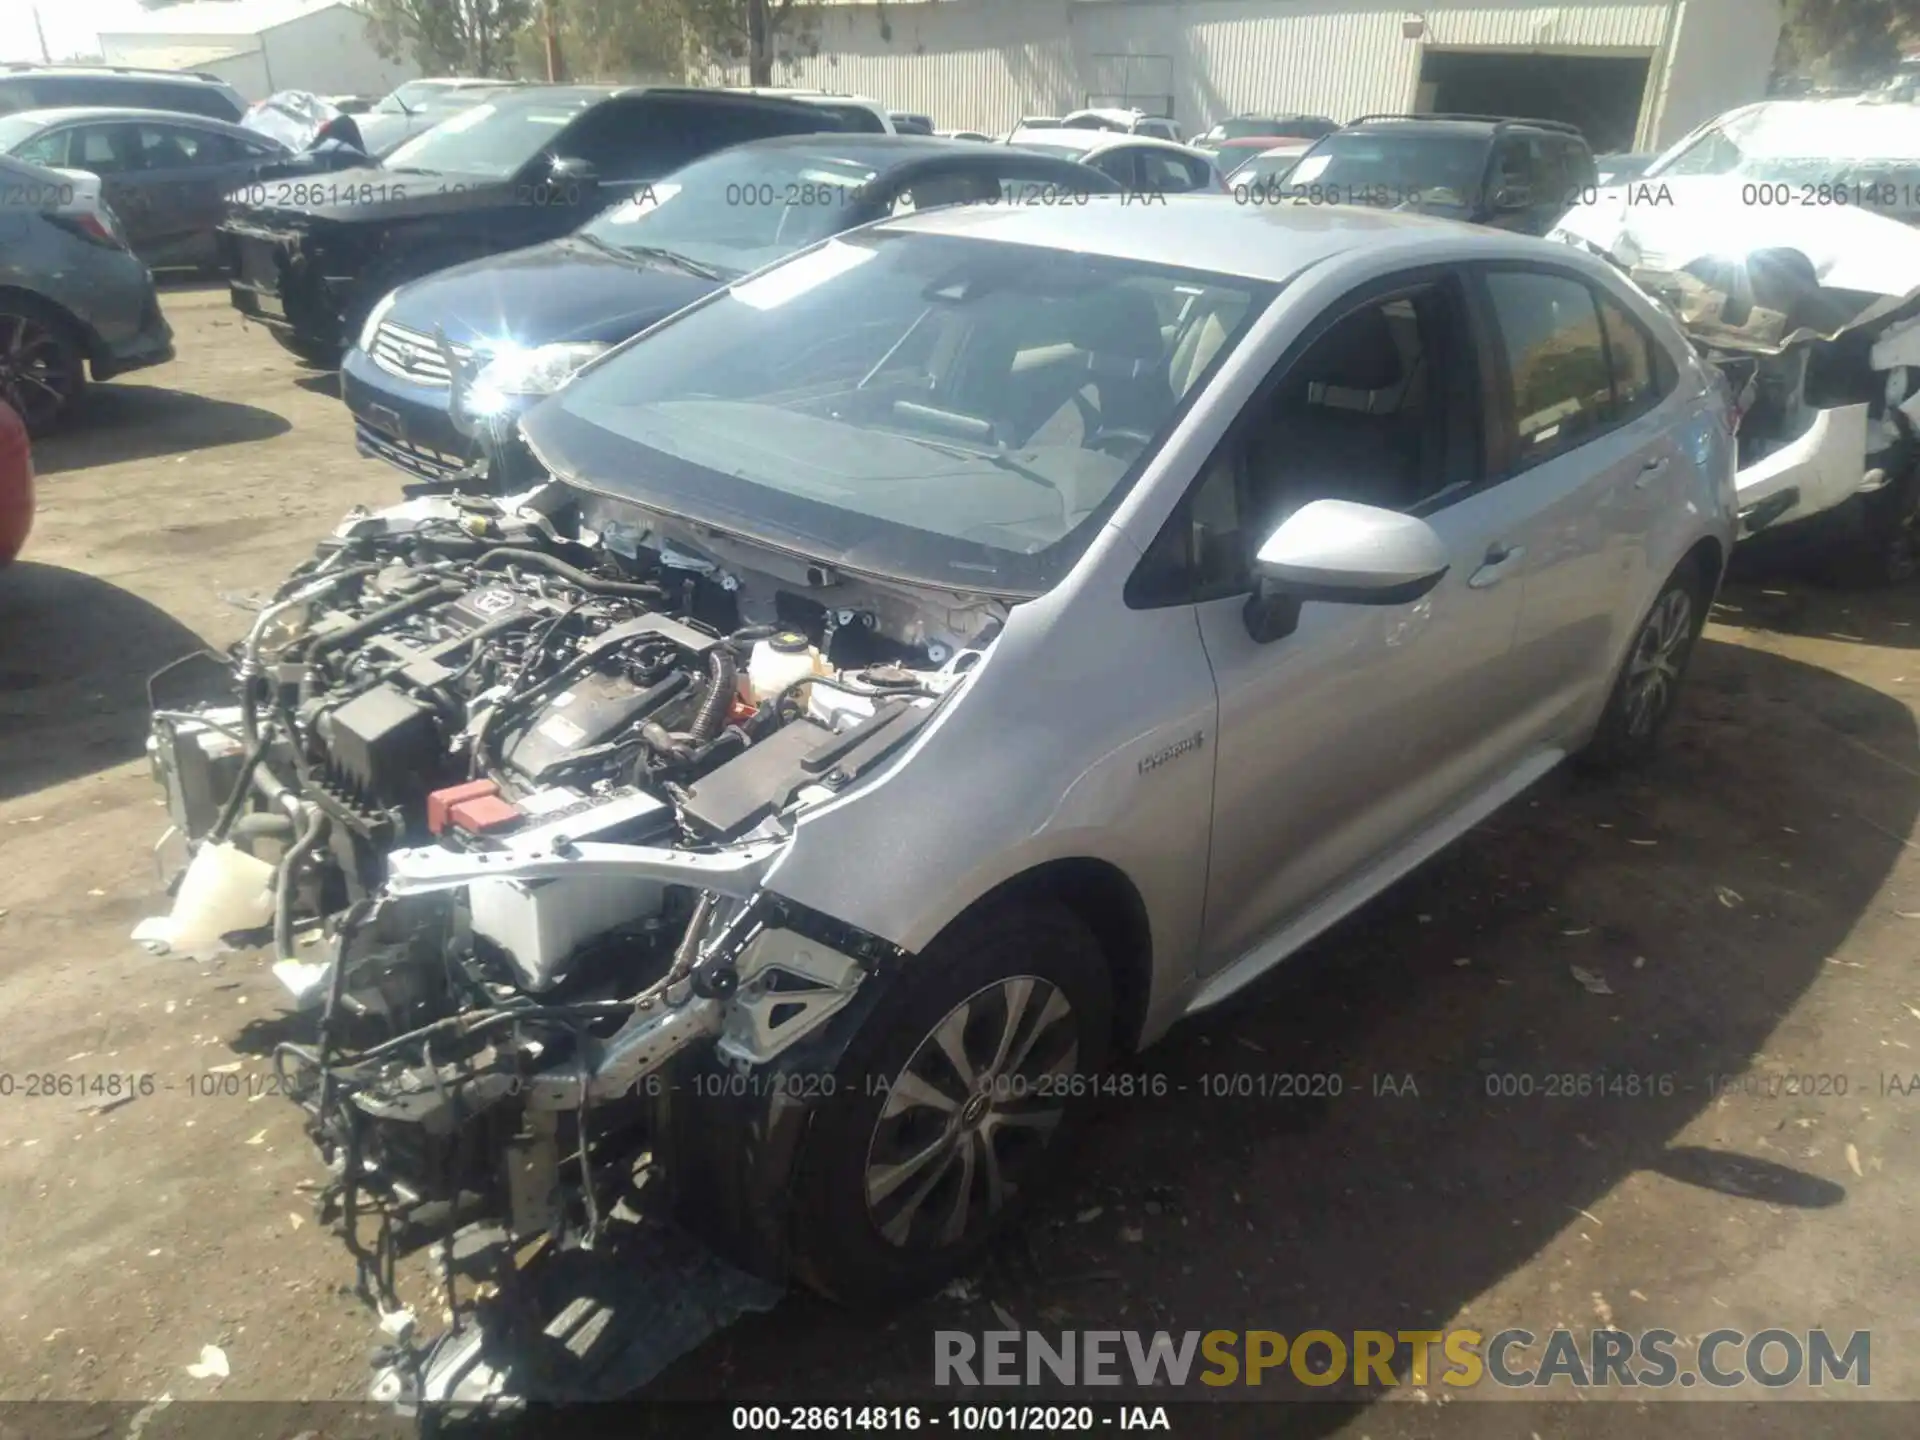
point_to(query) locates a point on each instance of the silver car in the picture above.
(940, 662)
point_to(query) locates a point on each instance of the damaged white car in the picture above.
(1782, 236)
(936, 663)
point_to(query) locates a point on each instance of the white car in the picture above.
(1140, 163)
(1123, 122)
(1814, 309)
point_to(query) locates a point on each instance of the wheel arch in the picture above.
(1709, 558)
(1104, 898)
(90, 342)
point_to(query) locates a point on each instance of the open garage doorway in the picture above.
(1599, 93)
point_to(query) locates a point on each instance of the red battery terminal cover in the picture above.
(464, 807)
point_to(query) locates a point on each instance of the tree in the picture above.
(450, 37)
(732, 31)
(1845, 42)
(613, 40)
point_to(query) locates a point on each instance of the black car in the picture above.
(1520, 175)
(50, 87)
(308, 257)
(446, 365)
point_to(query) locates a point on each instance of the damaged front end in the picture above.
(506, 802)
(1814, 320)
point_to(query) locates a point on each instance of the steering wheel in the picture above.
(1104, 437)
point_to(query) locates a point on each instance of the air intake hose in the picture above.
(712, 714)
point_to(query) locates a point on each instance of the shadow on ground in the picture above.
(1787, 605)
(1391, 1210)
(75, 653)
(118, 423)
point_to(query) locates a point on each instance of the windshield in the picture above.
(957, 412)
(1267, 169)
(739, 210)
(1441, 172)
(1807, 144)
(1248, 129)
(494, 139)
(417, 93)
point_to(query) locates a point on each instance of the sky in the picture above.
(72, 26)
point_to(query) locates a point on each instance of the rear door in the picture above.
(185, 173)
(1583, 444)
(111, 150)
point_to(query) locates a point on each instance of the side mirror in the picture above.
(571, 169)
(1509, 199)
(1341, 553)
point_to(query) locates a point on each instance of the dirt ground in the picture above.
(1752, 904)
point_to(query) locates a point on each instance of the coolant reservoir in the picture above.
(777, 663)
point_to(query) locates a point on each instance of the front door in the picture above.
(1368, 723)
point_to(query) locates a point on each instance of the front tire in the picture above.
(948, 1105)
(1647, 689)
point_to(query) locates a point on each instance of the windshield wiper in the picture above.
(998, 458)
(664, 256)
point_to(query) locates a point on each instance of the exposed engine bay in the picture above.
(501, 782)
(1814, 320)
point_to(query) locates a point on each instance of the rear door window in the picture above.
(1163, 172)
(1559, 389)
(179, 147)
(1118, 165)
(104, 149)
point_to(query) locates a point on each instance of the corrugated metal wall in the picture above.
(979, 64)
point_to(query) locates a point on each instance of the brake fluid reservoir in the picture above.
(777, 663)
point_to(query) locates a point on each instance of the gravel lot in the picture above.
(1751, 903)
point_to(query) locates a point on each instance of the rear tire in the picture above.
(948, 1104)
(43, 363)
(1888, 551)
(1647, 689)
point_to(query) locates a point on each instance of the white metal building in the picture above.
(1635, 74)
(260, 46)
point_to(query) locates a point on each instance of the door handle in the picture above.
(1649, 471)
(1500, 559)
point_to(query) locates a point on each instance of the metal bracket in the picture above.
(769, 1012)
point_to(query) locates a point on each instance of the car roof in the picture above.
(1463, 127)
(873, 147)
(112, 72)
(537, 94)
(67, 114)
(1093, 141)
(1216, 232)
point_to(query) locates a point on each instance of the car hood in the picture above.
(1670, 224)
(561, 290)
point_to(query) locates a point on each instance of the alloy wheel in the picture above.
(37, 370)
(970, 1111)
(1653, 675)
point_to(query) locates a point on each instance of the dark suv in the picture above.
(309, 258)
(60, 87)
(1520, 175)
